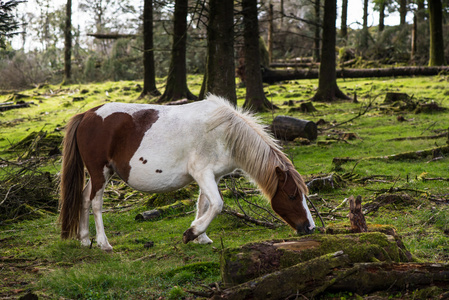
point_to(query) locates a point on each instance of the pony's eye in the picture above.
(292, 197)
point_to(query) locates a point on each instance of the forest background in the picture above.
(108, 36)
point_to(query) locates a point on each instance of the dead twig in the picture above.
(251, 219)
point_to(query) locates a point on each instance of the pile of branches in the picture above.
(249, 203)
(26, 190)
(27, 195)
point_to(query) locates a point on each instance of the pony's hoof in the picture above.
(86, 243)
(188, 236)
(106, 248)
(203, 239)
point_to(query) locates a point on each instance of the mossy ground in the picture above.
(34, 258)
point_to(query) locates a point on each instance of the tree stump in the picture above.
(393, 97)
(289, 128)
(356, 217)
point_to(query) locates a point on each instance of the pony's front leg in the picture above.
(202, 206)
(209, 196)
(83, 233)
(97, 204)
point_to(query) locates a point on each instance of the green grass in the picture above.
(34, 257)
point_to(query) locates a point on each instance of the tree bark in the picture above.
(436, 33)
(149, 75)
(365, 33)
(68, 43)
(403, 11)
(176, 87)
(255, 97)
(356, 217)
(414, 37)
(328, 90)
(317, 37)
(381, 16)
(344, 20)
(270, 33)
(219, 78)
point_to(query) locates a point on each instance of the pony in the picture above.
(157, 148)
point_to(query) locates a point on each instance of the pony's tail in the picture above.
(72, 182)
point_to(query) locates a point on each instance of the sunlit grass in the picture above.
(67, 270)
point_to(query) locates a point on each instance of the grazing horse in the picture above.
(156, 148)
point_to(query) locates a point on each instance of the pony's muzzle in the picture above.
(305, 229)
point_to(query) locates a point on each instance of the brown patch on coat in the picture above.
(112, 142)
(158, 171)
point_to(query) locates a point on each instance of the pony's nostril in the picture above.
(309, 229)
(305, 229)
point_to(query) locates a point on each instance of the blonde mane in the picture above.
(252, 147)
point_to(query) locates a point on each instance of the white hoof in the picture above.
(203, 239)
(86, 242)
(106, 247)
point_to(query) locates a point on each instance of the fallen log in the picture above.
(336, 273)
(242, 264)
(271, 76)
(14, 106)
(112, 36)
(163, 211)
(419, 154)
(288, 128)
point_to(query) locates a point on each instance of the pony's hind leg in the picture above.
(97, 205)
(84, 216)
(202, 206)
(98, 183)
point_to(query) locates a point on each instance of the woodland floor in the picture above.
(408, 191)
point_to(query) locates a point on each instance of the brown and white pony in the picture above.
(157, 148)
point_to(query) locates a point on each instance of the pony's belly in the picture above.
(158, 183)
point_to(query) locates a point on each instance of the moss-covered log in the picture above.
(239, 265)
(411, 155)
(335, 273)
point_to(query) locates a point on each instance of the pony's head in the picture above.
(289, 201)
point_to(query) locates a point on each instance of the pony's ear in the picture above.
(280, 174)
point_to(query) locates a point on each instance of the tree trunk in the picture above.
(317, 37)
(403, 11)
(414, 37)
(149, 76)
(436, 33)
(327, 84)
(219, 78)
(365, 33)
(68, 43)
(255, 96)
(344, 20)
(381, 16)
(421, 12)
(176, 87)
(270, 33)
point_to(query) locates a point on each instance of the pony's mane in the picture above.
(252, 147)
